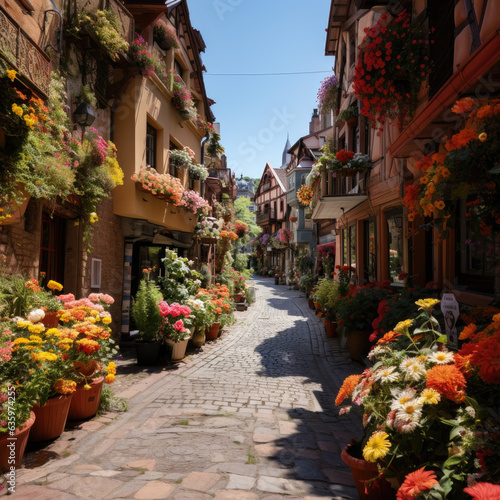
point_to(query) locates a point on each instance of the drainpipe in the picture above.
(203, 142)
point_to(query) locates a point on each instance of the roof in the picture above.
(281, 176)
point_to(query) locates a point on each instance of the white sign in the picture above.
(451, 311)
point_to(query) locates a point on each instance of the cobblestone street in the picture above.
(252, 416)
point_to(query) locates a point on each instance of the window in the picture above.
(395, 237)
(178, 68)
(476, 257)
(151, 134)
(370, 256)
(352, 245)
(95, 281)
(171, 168)
(345, 248)
(281, 206)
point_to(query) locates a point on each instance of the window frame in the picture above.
(151, 152)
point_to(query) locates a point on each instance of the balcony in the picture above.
(31, 62)
(336, 194)
(266, 217)
(226, 183)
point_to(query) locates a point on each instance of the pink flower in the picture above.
(179, 326)
(186, 311)
(68, 297)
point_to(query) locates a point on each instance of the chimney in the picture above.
(315, 123)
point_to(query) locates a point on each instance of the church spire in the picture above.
(285, 160)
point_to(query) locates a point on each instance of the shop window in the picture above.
(52, 247)
(476, 256)
(151, 141)
(370, 256)
(395, 238)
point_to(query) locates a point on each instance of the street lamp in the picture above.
(84, 115)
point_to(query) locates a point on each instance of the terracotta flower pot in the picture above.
(317, 306)
(358, 343)
(310, 303)
(84, 403)
(331, 328)
(238, 297)
(50, 320)
(16, 452)
(213, 331)
(50, 418)
(178, 349)
(362, 471)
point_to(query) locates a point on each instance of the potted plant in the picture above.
(173, 328)
(181, 158)
(149, 321)
(198, 172)
(356, 314)
(165, 36)
(430, 415)
(214, 147)
(202, 316)
(327, 94)
(395, 56)
(349, 115)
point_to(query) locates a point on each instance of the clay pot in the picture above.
(213, 331)
(84, 403)
(317, 306)
(331, 328)
(16, 453)
(358, 343)
(362, 471)
(50, 418)
(238, 297)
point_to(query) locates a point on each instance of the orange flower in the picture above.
(461, 139)
(65, 386)
(348, 386)
(483, 491)
(463, 105)
(415, 483)
(467, 332)
(388, 337)
(439, 204)
(448, 380)
(484, 112)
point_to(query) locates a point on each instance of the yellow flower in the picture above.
(54, 285)
(53, 332)
(87, 387)
(11, 74)
(402, 326)
(93, 218)
(43, 356)
(483, 136)
(23, 323)
(36, 339)
(106, 320)
(439, 204)
(377, 446)
(36, 328)
(21, 340)
(29, 121)
(110, 378)
(17, 110)
(111, 368)
(429, 396)
(427, 304)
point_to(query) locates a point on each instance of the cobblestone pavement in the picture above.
(250, 417)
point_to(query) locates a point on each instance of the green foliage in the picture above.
(206, 276)
(240, 262)
(145, 311)
(15, 297)
(110, 403)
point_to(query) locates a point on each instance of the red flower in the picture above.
(484, 491)
(415, 483)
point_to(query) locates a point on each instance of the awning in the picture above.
(334, 207)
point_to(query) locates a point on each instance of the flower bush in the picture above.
(203, 125)
(197, 171)
(142, 56)
(181, 158)
(106, 27)
(193, 202)
(347, 114)
(241, 228)
(305, 194)
(327, 94)
(347, 160)
(465, 168)
(206, 228)
(428, 408)
(181, 98)
(160, 185)
(165, 36)
(174, 316)
(392, 64)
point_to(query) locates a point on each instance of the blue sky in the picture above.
(262, 36)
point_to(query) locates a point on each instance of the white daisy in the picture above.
(405, 426)
(415, 371)
(441, 357)
(402, 397)
(412, 410)
(386, 374)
